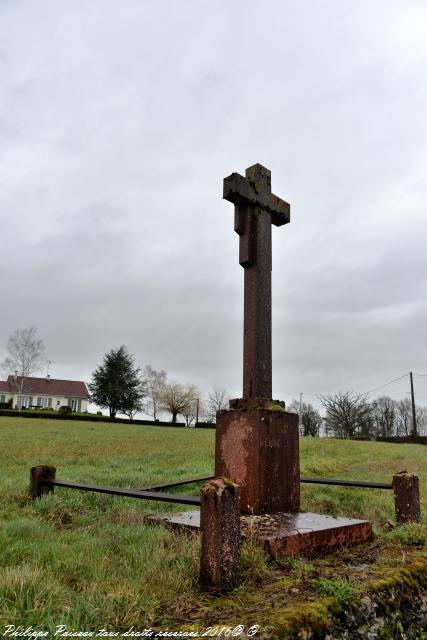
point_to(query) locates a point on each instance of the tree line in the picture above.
(120, 386)
(350, 415)
(117, 384)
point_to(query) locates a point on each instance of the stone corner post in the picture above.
(406, 497)
(40, 478)
(220, 527)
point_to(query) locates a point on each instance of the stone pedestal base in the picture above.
(258, 449)
(304, 534)
(286, 534)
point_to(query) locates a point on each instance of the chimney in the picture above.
(48, 378)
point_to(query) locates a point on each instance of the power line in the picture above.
(384, 385)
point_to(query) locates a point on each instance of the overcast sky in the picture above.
(118, 123)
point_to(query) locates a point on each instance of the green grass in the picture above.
(375, 461)
(89, 561)
(341, 589)
(412, 534)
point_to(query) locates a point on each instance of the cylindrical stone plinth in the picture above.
(406, 497)
(39, 480)
(258, 449)
(220, 527)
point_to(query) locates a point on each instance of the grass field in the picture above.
(89, 561)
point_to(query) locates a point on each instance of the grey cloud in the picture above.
(117, 126)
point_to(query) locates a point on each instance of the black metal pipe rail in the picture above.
(128, 493)
(344, 483)
(154, 492)
(178, 483)
(349, 483)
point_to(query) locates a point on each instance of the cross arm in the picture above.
(241, 191)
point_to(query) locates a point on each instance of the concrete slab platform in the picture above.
(286, 534)
(187, 520)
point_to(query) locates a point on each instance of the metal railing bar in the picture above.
(154, 493)
(129, 493)
(349, 483)
(159, 487)
(345, 483)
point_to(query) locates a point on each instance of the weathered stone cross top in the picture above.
(256, 208)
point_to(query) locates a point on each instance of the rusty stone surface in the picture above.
(220, 527)
(38, 480)
(305, 534)
(287, 534)
(256, 208)
(255, 190)
(259, 450)
(406, 497)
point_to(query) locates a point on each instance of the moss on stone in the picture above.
(293, 611)
(273, 407)
(314, 616)
(276, 407)
(230, 484)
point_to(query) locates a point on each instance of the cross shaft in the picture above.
(256, 208)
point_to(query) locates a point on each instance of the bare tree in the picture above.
(421, 415)
(26, 356)
(176, 399)
(384, 411)
(347, 414)
(156, 381)
(195, 405)
(132, 411)
(217, 401)
(310, 420)
(404, 417)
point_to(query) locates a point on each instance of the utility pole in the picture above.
(414, 415)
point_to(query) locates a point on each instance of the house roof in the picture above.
(48, 387)
(4, 387)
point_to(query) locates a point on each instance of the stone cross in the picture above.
(256, 208)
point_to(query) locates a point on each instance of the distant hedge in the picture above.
(404, 439)
(53, 415)
(205, 425)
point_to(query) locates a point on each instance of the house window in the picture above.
(24, 402)
(2, 398)
(42, 402)
(73, 404)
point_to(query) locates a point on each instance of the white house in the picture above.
(44, 392)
